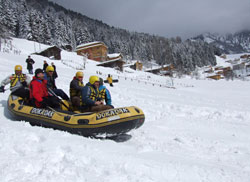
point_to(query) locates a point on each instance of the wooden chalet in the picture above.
(114, 56)
(164, 70)
(218, 68)
(94, 50)
(67, 47)
(223, 56)
(210, 70)
(137, 66)
(52, 52)
(114, 63)
(215, 77)
(245, 56)
(226, 70)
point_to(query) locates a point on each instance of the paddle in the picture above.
(53, 93)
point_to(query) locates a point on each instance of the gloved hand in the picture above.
(24, 84)
(2, 89)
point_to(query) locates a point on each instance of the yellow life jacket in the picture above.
(93, 95)
(15, 78)
(73, 92)
(102, 94)
(110, 80)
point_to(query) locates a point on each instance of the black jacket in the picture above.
(30, 63)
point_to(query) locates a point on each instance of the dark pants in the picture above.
(61, 93)
(22, 92)
(30, 71)
(52, 101)
(75, 101)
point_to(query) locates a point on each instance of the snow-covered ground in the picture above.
(198, 132)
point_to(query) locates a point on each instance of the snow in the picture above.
(114, 55)
(196, 132)
(222, 62)
(208, 40)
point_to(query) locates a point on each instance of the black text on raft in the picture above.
(42, 112)
(110, 113)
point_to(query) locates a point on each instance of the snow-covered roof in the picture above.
(110, 61)
(157, 67)
(90, 44)
(114, 55)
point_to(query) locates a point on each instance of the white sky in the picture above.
(168, 18)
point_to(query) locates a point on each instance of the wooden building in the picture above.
(115, 56)
(137, 66)
(224, 56)
(245, 56)
(67, 47)
(52, 52)
(115, 63)
(164, 70)
(215, 77)
(94, 50)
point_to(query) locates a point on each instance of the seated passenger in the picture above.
(39, 93)
(18, 83)
(90, 100)
(104, 94)
(76, 86)
(51, 85)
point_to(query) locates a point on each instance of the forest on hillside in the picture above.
(49, 23)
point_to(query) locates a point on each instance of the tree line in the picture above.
(49, 23)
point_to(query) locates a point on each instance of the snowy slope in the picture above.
(196, 132)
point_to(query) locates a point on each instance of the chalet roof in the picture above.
(110, 61)
(154, 68)
(90, 44)
(114, 55)
(48, 48)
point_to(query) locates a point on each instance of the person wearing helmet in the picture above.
(104, 94)
(51, 84)
(75, 91)
(90, 96)
(18, 83)
(30, 63)
(39, 95)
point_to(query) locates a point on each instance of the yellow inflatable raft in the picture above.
(105, 123)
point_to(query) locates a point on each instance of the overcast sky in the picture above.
(169, 18)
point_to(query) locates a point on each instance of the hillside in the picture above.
(196, 132)
(45, 22)
(230, 43)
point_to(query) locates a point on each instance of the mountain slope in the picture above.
(230, 43)
(49, 23)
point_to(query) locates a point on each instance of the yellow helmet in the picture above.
(93, 79)
(79, 74)
(49, 68)
(18, 68)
